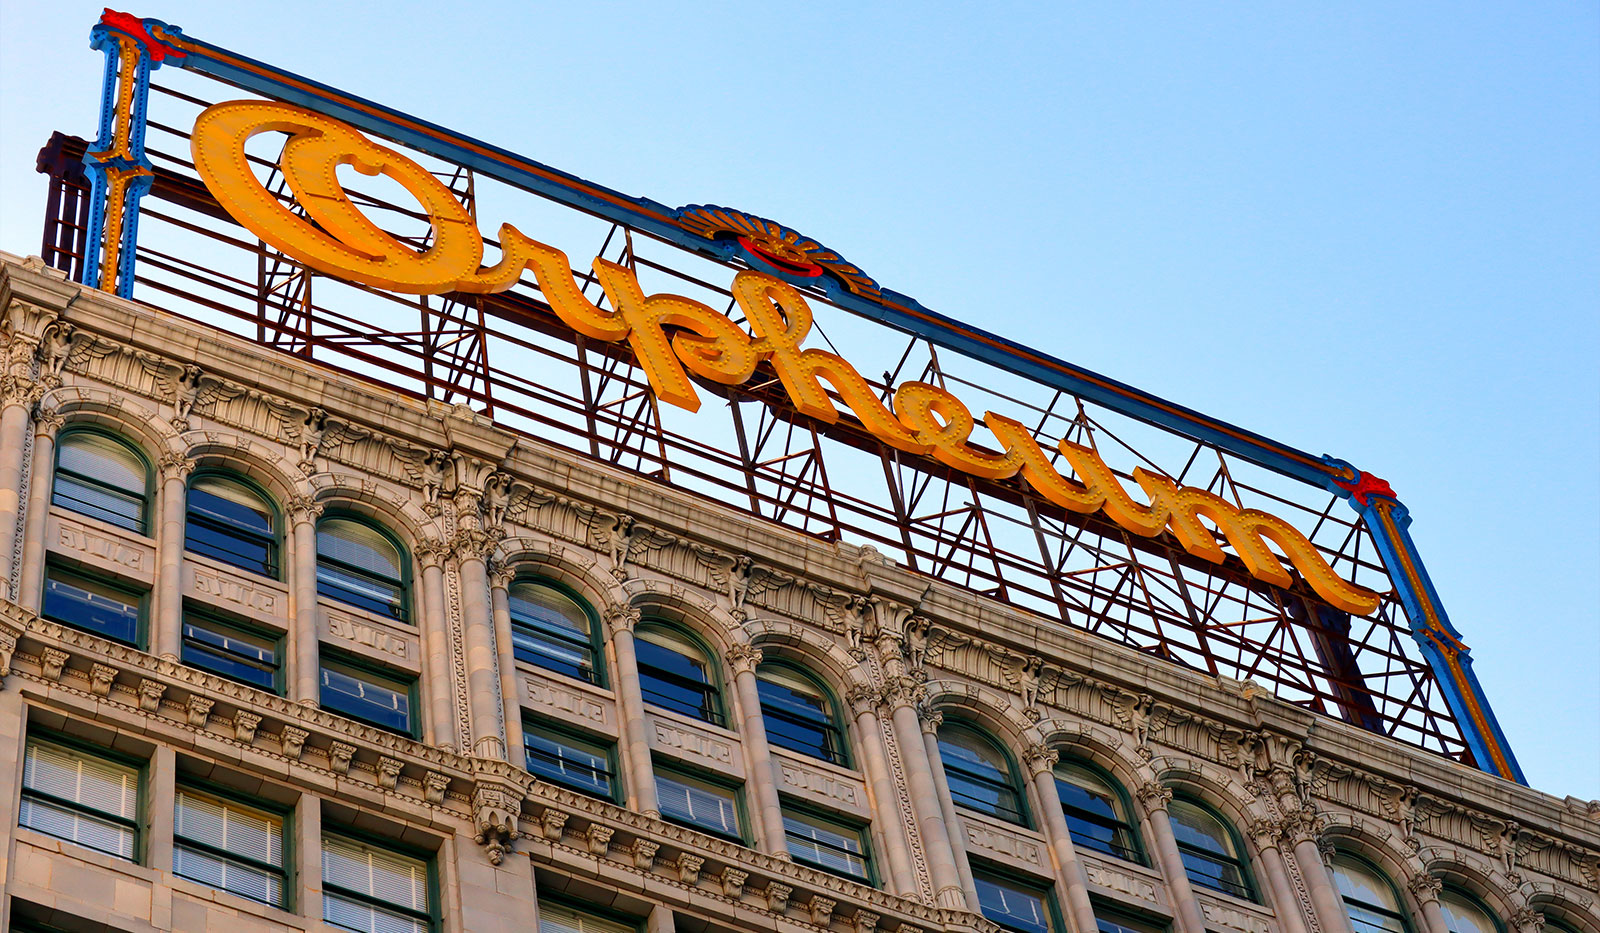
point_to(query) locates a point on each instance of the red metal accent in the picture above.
(1366, 487)
(134, 26)
(808, 269)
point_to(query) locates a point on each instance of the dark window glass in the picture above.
(81, 798)
(230, 522)
(370, 697)
(1012, 905)
(572, 763)
(798, 714)
(705, 806)
(373, 890)
(1211, 858)
(826, 844)
(358, 564)
(230, 652)
(1094, 811)
(93, 606)
(1107, 922)
(675, 674)
(979, 774)
(552, 630)
(101, 477)
(229, 847)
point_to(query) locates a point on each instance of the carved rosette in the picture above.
(744, 659)
(494, 813)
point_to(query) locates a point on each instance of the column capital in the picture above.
(1527, 920)
(1154, 795)
(174, 465)
(904, 691)
(474, 544)
(622, 618)
(744, 659)
(1425, 887)
(47, 421)
(1266, 833)
(930, 718)
(1040, 759)
(1301, 826)
(431, 552)
(303, 509)
(500, 576)
(863, 698)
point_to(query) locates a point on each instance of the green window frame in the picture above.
(702, 803)
(984, 783)
(1213, 854)
(1369, 897)
(828, 843)
(225, 843)
(242, 653)
(84, 795)
(808, 725)
(84, 481)
(1097, 810)
(542, 633)
(347, 576)
(1016, 904)
(572, 760)
(407, 898)
(220, 524)
(678, 672)
(335, 673)
(95, 603)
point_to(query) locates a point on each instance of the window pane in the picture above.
(244, 550)
(359, 545)
(559, 918)
(125, 510)
(79, 797)
(673, 655)
(347, 913)
(675, 674)
(1463, 915)
(1195, 827)
(978, 774)
(699, 804)
(372, 889)
(582, 766)
(1094, 811)
(552, 630)
(1013, 907)
(92, 606)
(797, 714)
(379, 596)
(229, 502)
(102, 459)
(247, 833)
(825, 845)
(76, 826)
(231, 653)
(369, 697)
(228, 875)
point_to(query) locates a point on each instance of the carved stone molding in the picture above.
(622, 618)
(743, 658)
(1040, 759)
(1153, 796)
(1425, 887)
(494, 814)
(303, 509)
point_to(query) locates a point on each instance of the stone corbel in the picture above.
(865, 921)
(389, 772)
(689, 868)
(150, 692)
(644, 853)
(495, 808)
(199, 710)
(244, 726)
(599, 839)
(340, 755)
(293, 740)
(434, 784)
(733, 882)
(553, 822)
(52, 661)
(778, 896)
(9, 633)
(821, 910)
(101, 677)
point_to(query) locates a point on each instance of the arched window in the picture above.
(1463, 913)
(979, 773)
(675, 673)
(1369, 898)
(1096, 811)
(799, 714)
(103, 477)
(361, 565)
(231, 521)
(552, 630)
(1212, 856)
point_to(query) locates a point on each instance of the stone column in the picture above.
(641, 777)
(168, 637)
(308, 857)
(661, 920)
(161, 792)
(1425, 888)
(18, 393)
(483, 663)
(1041, 761)
(1301, 830)
(46, 423)
(436, 675)
(902, 699)
(1154, 798)
(947, 806)
(510, 696)
(304, 638)
(757, 753)
(863, 702)
(1267, 834)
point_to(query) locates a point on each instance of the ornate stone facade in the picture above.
(476, 508)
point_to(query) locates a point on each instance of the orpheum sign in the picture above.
(673, 336)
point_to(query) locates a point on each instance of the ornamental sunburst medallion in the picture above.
(776, 246)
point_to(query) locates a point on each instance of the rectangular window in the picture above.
(1019, 907)
(105, 609)
(232, 652)
(827, 844)
(573, 763)
(374, 890)
(229, 847)
(702, 805)
(376, 699)
(1111, 921)
(80, 797)
(559, 918)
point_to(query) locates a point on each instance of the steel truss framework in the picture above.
(509, 356)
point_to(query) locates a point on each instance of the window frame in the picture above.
(597, 652)
(435, 914)
(404, 616)
(275, 542)
(1473, 899)
(601, 913)
(998, 875)
(712, 690)
(363, 666)
(1248, 891)
(144, 530)
(835, 721)
(74, 744)
(736, 788)
(1138, 855)
(1014, 785)
(1126, 920)
(279, 640)
(786, 805)
(141, 598)
(284, 813)
(531, 724)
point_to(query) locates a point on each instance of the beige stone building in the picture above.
(268, 667)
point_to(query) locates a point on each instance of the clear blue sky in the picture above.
(1371, 230)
